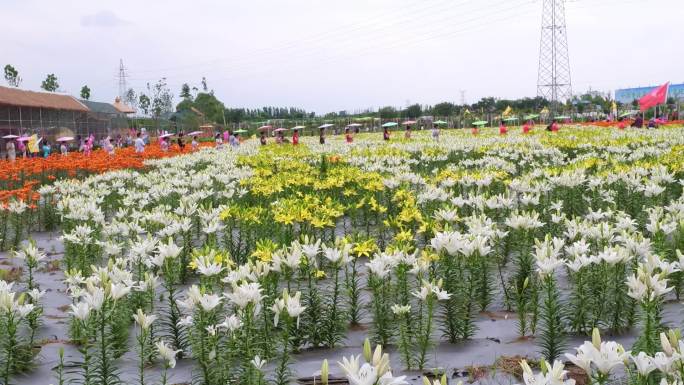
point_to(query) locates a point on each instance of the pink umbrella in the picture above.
(280, 129)
(24, 139)
(166, 136)
(409, 122)
(262, 128)
(65, 139)
(195, 133)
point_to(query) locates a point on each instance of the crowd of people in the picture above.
(19, 146)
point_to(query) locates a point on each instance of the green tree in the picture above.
(12, 76)
(387, 112)
(211, 107)
(144, 103)
(162, 99)
(85, 92)
(413, 111)
(185, 105)
(131, 98)
(50, 83)
(443, 109)
(185, 91)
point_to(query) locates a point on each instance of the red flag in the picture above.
(653, 98)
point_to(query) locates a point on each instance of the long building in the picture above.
(51, 115)
(628, 95)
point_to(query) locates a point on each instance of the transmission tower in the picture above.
(122, 80)
(553, 78)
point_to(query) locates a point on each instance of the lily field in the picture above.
(540, 258)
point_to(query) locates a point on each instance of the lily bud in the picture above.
(674, 335)
(443, 380)
(596, 338)
(367, 350)
(544, 366)
(324, 372)
(426, 381)
(665, 343)
(377, 355)
(526, 283)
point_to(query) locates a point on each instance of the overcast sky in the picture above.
(331, 55)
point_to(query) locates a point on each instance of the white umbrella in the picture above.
(10, 137)
(326, 125)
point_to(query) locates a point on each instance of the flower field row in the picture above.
(237, 261)
(21, 182)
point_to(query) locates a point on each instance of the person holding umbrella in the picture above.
(348, 136)
(321, 137)
(235, 139)
(622, 125)
(139, 144)
(108, 145)
(219, 141)
(9, 146)
(407, 134)
(554, 126)
(46, 149)
(385, 134)
(89, 144)
(194, 144)
(527, 127)
(63, 148)
(164, 143)
(503, 130)
(435, 132)
(295, 137)
(181, 142)
(22, 147)
(262, 138)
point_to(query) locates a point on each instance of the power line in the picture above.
(436, 32)
(400, 16)
(479, 24)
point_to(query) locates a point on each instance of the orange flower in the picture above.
(30, 171)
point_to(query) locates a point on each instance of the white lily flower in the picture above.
(144, 320)
(167, 353)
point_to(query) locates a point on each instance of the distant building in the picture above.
(628, 95)
(51, 115)
(106, 118)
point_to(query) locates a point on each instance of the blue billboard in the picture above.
(627, 95)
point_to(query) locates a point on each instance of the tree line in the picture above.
(198, 104)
